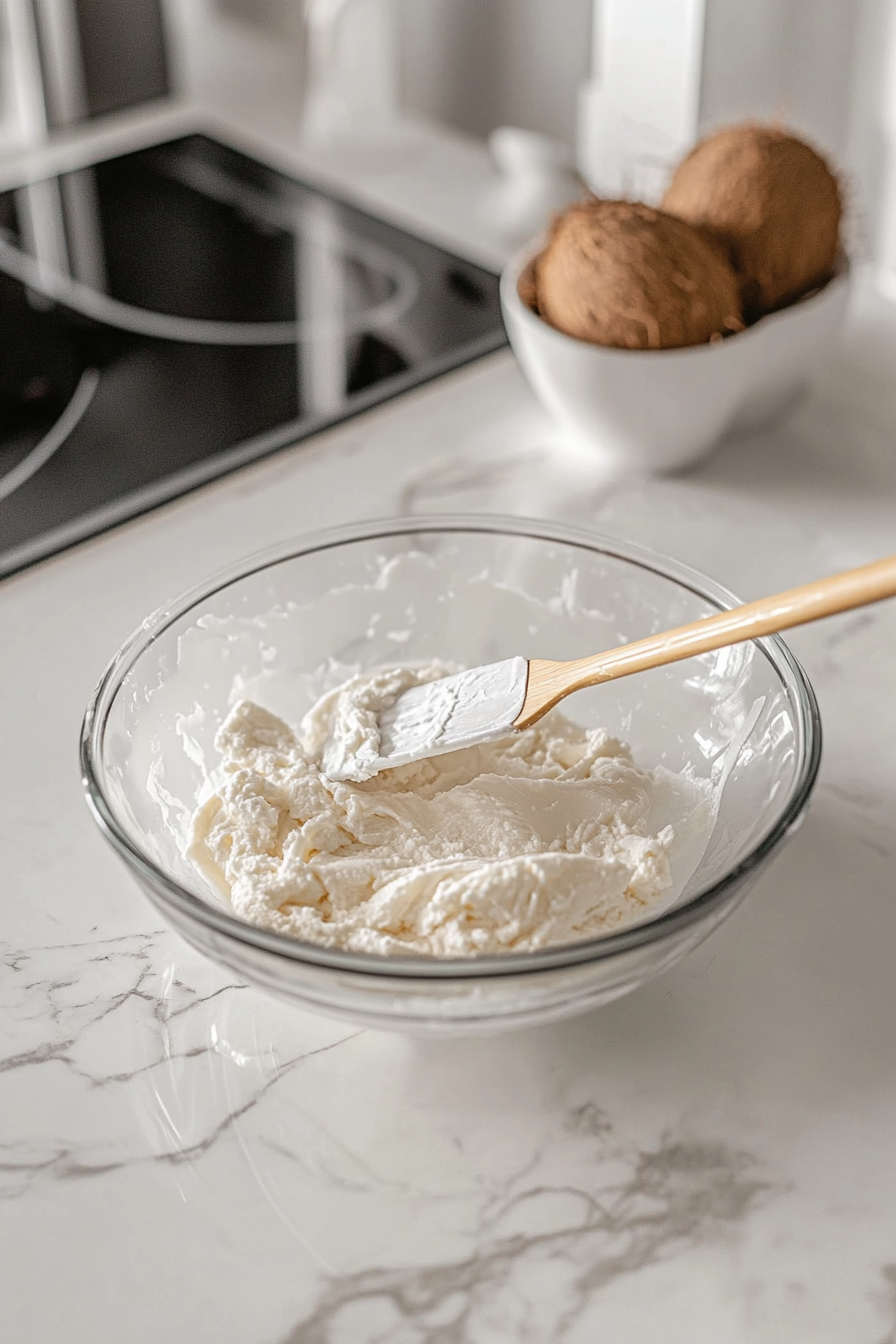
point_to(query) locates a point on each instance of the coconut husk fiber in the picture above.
(773, 201)
(618, 273)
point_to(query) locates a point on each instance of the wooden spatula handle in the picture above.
(549, 682)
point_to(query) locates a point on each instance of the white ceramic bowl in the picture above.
(660, 410)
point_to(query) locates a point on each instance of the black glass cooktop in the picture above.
(172, 314)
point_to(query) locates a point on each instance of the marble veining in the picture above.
(451, 476)
(69, 1023)
(71, 1008)
(665, 1200)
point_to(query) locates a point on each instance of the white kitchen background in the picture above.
(626, 84)
(475, 64)
(629, 83)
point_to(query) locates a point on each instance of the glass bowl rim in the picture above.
(420, 967)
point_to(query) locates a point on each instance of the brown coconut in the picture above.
(775, 204)
(621, 274)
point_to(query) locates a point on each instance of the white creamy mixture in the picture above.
(537, 839)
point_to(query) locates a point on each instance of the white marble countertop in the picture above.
(710, 1159)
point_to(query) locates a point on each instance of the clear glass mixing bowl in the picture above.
(282, 627)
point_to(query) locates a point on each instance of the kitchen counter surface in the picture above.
(710, 1159)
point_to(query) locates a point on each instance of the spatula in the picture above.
(484, 704)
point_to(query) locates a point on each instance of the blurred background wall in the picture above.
(567, 68)
(827, 66)
(477, 64)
